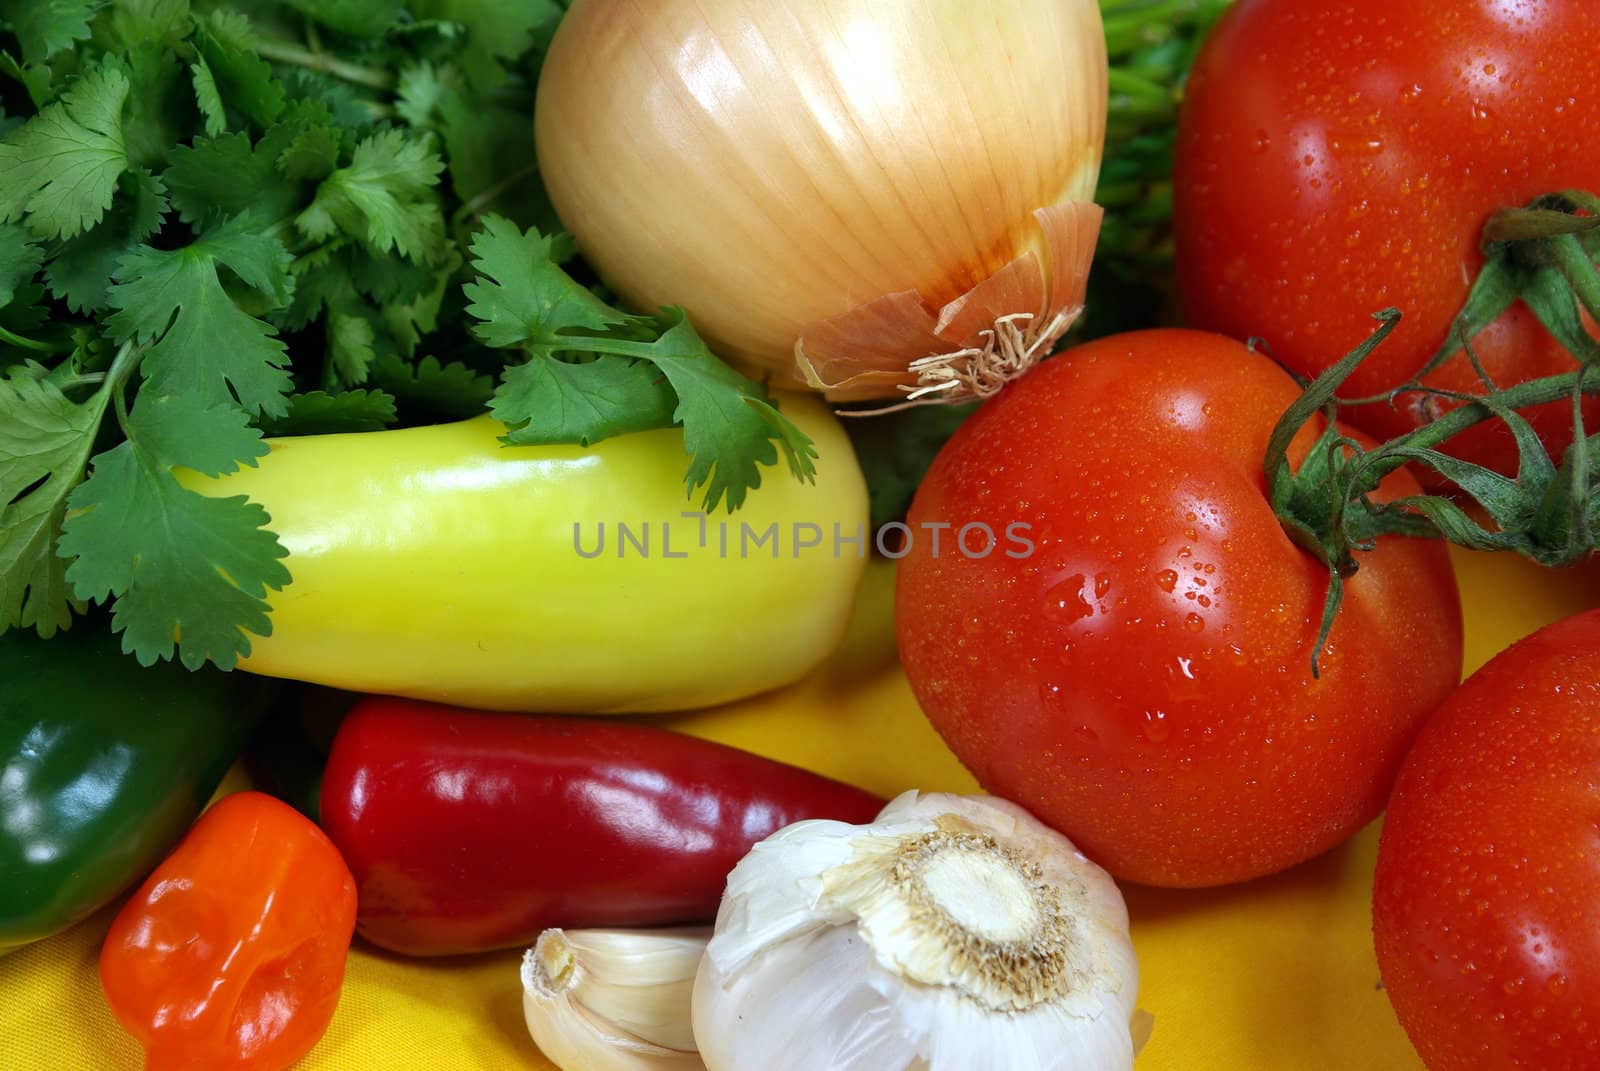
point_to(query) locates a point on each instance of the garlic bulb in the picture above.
(613, 1000)
(874, 198)
(952, 934)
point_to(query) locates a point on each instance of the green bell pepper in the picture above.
(103, 766)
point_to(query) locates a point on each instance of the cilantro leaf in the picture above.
(80, 273)
(431, 391)
(524, 297)
(384, 198)
(320, 413)
(728, 426)
(492, 160)
(551, 401)
(358, 18)
(149, 22)
(420, 89)
(188, 572)
(162, 111)
(60, 169)
(207, 343)
(496, 31)
(407, 318)
(45, 27)
(241, 77)
(45, 440)
(311, 149)
(175, 430)
(350, 347)
(229, 175)
(208, 97)
(339, 98)
(20, 260)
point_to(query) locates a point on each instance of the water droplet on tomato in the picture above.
(1167, 580)
(1066, 601)
(1194, 623)
(1156, 727)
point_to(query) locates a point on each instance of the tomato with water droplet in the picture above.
(1126, 677)
(1339, 157)
(1487, 895)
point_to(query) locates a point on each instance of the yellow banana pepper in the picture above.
(439, 564)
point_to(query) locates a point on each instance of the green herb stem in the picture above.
(297, 56)
(11, 338)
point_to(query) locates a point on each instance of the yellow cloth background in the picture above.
(1273, 975)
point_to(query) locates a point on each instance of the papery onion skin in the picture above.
(773, 165)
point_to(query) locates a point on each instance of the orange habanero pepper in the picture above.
(231, 955)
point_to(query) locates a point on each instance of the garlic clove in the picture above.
(951, 934)
(613, 1000)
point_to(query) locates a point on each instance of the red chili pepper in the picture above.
(471, 831)
(231, 955)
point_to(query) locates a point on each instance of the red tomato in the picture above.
(1486, 910)
(1337, 157)
(1142, 679)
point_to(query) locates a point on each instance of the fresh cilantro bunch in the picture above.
(220, 221)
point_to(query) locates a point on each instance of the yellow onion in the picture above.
(872, 198)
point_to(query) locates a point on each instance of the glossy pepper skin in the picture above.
(103, 765)
(470, 831)
(440, 564)
(231, 955)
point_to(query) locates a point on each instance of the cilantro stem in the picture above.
(122, 366)
(13, 339)
(295, 55)
(488, 196)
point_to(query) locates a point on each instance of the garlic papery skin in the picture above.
(613, 1000)
(880, 199)
(952, 934)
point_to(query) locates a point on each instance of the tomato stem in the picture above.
(1549, 510)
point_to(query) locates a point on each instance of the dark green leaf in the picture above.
(209, 350)
(895, 450)
(492, 163)
(166, 111)
(45, 27)
(320, 413)
(189, 573)
(161, 23)
(20, 260)
(60, 170)
(229, 175)
(385, 198)
(551, 401)
(45, 440)
(727, 436)
(350, 347)
(525, 298)
(430, 391)
(496, 31)
(358, 18)
(243, 79)
(81, 272)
